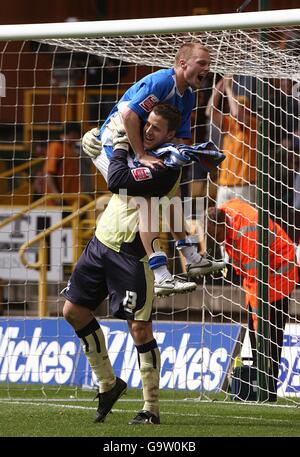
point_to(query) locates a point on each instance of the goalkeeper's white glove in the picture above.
(91, 145)
(119, 136)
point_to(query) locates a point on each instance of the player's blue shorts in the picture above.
(102, 272)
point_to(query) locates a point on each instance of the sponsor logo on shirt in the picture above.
(141, 174)
(149, 102)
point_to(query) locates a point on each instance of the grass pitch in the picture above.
(65, 413)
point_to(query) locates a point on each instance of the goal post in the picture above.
(70, 74)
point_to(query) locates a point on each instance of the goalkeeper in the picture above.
(175, 86)
(113, 264)
(161, 126)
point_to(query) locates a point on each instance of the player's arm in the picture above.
(141, 181)
(232, 102)
(213, 103)
(132, 124)
(154, 89)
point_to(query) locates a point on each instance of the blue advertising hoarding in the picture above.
(47, 351)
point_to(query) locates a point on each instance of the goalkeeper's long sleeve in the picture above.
(139, 181)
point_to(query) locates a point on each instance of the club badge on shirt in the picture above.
(141, 174)
(149, 102)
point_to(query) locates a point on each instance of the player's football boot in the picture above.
(108, 399)
(204, 267)
(145, 417)
(173, 285)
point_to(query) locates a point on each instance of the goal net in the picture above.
(54, 88)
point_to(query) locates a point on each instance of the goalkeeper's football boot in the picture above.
(145, 417)
(108, 399)
(204, 266)
(173, 285)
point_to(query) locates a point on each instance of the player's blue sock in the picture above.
(158, 264)
(189, 250)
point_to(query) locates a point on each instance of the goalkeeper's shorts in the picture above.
(102, 272)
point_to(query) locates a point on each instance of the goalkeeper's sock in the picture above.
(149, 363)
(158, 264)
(189, 250)
(93, 344)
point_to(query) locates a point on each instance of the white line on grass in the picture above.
(88, 408)
(182, 401)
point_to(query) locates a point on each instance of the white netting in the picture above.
(233, 52)
(54, 82)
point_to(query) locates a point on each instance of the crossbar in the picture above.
(92, 29)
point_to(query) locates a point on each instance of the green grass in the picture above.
(58, 415)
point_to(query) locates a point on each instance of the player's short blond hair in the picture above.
(186, 50)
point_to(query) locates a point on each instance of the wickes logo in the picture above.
(184, 365)
(34, 361)
(48, 352)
